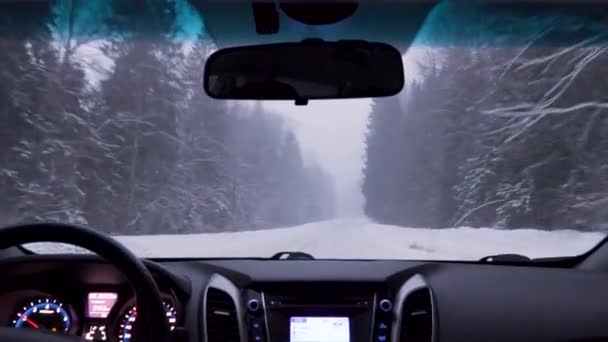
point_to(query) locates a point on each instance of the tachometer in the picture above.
(44, 314)
(125, 328)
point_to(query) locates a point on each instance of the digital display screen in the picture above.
(319, 329)
(99, 304)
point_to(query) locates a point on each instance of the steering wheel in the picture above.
(150, 310)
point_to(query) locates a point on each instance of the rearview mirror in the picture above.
(312, 69)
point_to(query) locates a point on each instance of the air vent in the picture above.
(222, 320)
(417, 317)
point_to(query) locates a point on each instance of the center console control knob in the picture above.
(253, 305)
(385, 305)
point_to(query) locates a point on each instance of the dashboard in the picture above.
(310, 300)
(90, 300)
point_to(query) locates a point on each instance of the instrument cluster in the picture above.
(98, 316)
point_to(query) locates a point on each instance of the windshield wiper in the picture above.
(522, 260)
(506, 259)
(292, 255)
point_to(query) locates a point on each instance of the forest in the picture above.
(105, 124)
(507, 136)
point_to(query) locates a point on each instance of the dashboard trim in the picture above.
(373, 324)
(265, 316)
(221, 283)
(416, 282)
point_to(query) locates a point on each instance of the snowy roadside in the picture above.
(357, 239)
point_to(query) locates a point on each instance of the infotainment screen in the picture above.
(319, 329)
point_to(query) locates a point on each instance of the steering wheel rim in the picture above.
(151, 312)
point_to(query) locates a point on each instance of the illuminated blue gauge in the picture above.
(43, 314)
(127, 322)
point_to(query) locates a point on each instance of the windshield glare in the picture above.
(497, 143)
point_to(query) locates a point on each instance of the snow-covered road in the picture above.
(363, 239)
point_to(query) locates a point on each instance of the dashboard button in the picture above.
(382, 326)
(253, 305)
(258, 338)
(385, 305)
(256, 326)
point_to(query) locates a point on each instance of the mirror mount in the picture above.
(301, 101)
(266, 17)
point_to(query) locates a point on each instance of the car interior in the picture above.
(292, 296)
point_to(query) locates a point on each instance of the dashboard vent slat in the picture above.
(417, 317)
(222, 320)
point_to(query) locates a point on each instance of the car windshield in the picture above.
(498, 142)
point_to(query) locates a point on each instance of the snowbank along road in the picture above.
(358, 239)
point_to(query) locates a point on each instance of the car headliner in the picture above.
(399, 23)
(232, 23)
(396, 22)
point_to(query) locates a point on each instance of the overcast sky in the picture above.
(333, 133)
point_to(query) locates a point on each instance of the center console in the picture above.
(319, 313)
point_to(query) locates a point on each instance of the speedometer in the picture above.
(43, 314)
(127, 321)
